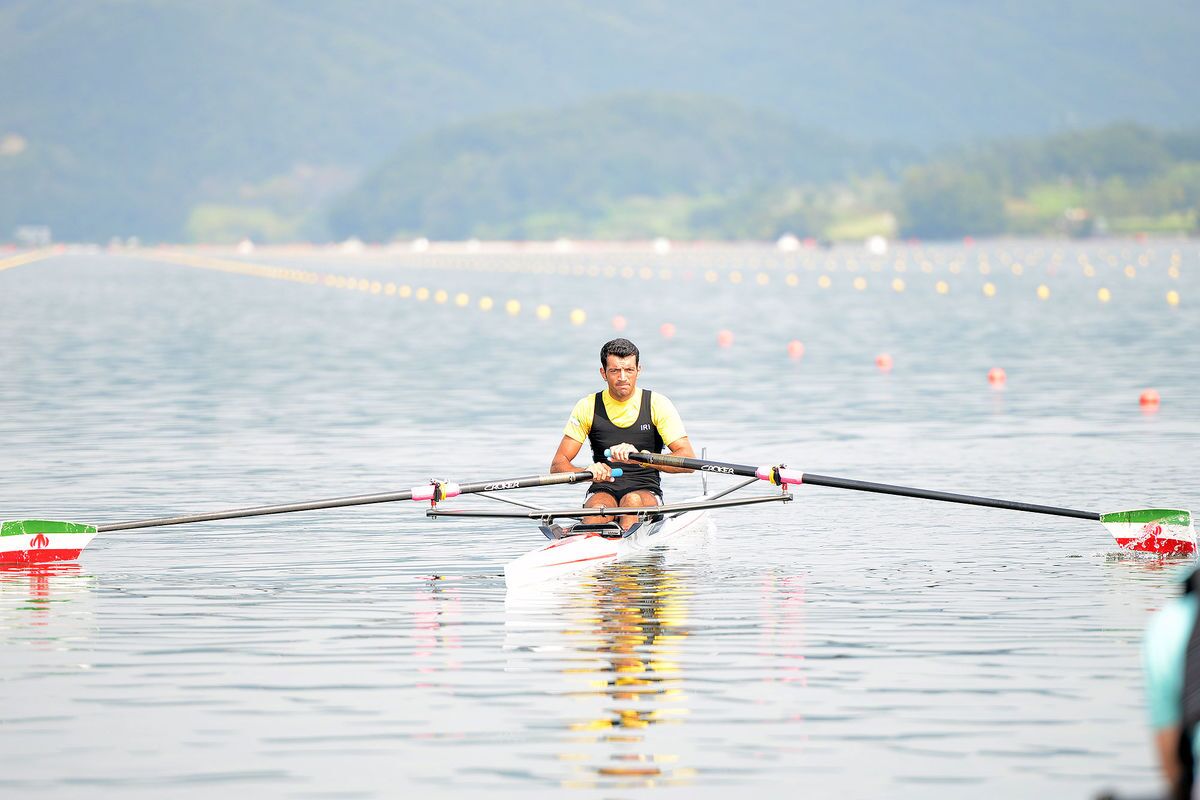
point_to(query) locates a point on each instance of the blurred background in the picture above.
(220, 121)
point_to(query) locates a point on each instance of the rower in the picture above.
(622, 419)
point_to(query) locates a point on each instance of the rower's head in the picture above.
(619, 367)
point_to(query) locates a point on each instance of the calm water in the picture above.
(844, 644)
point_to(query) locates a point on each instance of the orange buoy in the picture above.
(667, 329)
(618, 323)
(997, 376)
(724, 338)
(1149, 398)
(795, 349)
(884, 362)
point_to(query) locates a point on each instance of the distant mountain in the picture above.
(506, 176)
(128, 115)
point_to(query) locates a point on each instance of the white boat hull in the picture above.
(584, 551)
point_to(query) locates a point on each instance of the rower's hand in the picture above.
(601, 473)
(620, 453)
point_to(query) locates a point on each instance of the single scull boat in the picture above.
(581, 546)
(1158, 531)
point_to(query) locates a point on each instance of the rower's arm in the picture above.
(568, 448)
(1166, 742)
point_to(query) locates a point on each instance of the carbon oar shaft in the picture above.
(431, 491)
(791, 476)
(948, 497)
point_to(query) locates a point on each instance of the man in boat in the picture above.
(622, 419)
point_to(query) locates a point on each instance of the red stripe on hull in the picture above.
(38, 556)
(579, 560)
(1162, 547)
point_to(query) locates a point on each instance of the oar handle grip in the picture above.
(772, 473)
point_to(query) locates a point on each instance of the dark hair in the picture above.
(621, 348)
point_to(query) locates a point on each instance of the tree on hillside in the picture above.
(940, 202)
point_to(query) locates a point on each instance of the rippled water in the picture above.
(845, 643)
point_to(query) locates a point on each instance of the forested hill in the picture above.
(122, 116)
(689, 168)
(582, 170)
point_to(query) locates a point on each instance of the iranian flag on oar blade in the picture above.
(35, 541)
(1166, 531)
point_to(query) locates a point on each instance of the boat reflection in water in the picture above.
(623, 628)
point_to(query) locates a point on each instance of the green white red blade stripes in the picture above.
(1166, 531)
(37, 541)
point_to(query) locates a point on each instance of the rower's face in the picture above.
(621, 375)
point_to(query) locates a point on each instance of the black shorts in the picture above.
(619, 495)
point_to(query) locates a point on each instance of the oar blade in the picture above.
(37, 541)
(1163, 531)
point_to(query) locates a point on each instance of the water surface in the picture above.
(845, 643)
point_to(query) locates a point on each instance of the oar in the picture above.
(1164, 531)
(25, 541)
